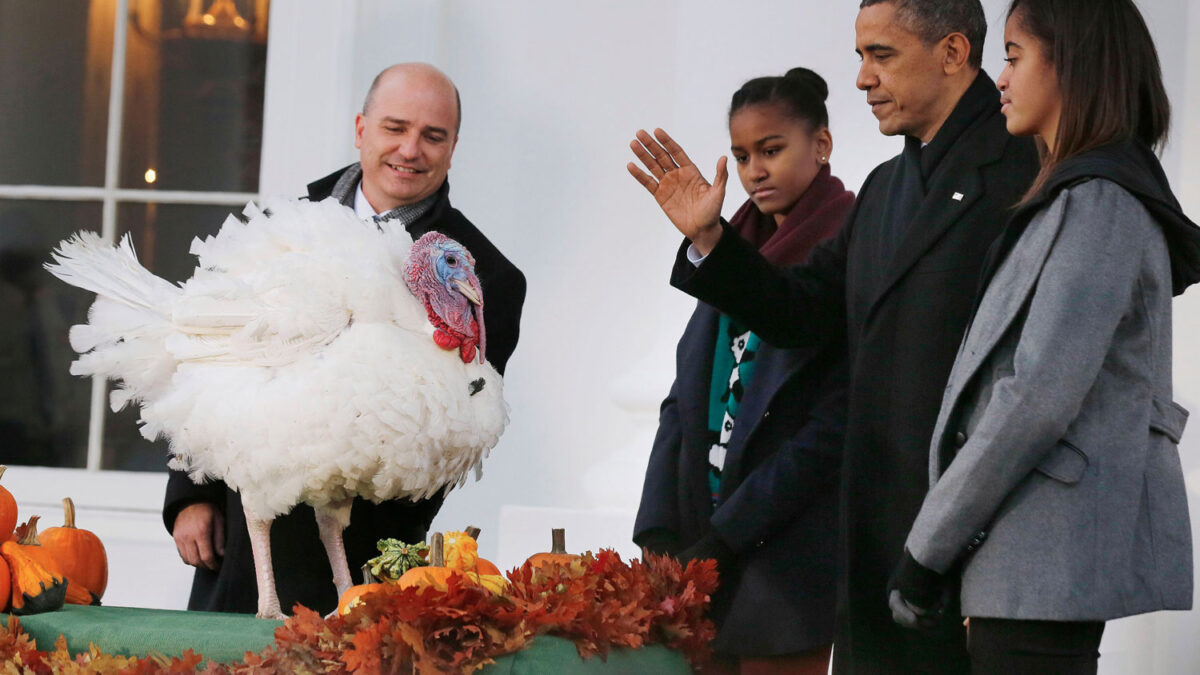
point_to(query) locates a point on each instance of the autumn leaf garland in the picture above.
(597, 601)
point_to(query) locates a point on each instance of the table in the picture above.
(226, 638)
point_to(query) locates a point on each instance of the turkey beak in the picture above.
(469, 290)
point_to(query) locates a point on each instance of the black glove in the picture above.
(660, 541)
(710, 546)
(917, 595)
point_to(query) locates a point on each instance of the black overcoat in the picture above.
(903, 335)
(778, 488)
(302, 572)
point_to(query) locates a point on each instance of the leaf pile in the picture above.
(598, 601)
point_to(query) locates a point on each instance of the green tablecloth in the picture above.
(226, 638)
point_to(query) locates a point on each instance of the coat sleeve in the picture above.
(182, 492)
(793, 307)
(659, 508)
(1087, 284)
(783, 486)
(504, 319)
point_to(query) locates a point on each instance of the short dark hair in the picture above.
(370, 98)
(933, 20)
(800, 92)
(1108, 74)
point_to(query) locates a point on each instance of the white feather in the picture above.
(294, 365)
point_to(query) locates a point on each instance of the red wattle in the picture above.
(445, 340)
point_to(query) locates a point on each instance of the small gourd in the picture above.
(8, 511)
(483, 566)
(354, 595)
(34, 588)
(79, 553)
(558, 551)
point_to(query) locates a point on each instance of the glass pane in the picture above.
(44, 410)
(194, 95)
(55, 69)
(162, 235)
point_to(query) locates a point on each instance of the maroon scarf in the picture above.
(817, 216)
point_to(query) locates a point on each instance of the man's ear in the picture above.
(956, 51)
(360, 123)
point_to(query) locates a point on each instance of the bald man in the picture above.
(406, 135)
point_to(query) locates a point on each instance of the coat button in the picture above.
(977, 541)
(960, 439)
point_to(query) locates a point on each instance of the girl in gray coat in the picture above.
(1057, 498)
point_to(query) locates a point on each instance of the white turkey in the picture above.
(311, 358)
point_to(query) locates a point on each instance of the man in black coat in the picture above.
(406, 135)
(900, 278)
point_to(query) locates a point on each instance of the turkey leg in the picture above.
(331, 520)
(264, 572)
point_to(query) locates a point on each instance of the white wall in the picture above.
(552, 93)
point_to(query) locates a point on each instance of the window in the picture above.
(139, 117)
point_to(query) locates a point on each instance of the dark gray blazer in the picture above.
(1057, 433)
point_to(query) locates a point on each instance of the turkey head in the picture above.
(440, 272)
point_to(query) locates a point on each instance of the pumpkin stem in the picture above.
(68, 513)
(472, 532)
(368, 578)
(27, 534)
(558, 538)
(2, 468)
(437, 555)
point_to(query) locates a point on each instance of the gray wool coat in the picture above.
(1055, 478)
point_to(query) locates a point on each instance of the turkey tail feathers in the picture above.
(112, 272)
(126, 325)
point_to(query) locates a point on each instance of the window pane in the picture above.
(162, 235)
(194, 95)
(55, 69)
(44, 409)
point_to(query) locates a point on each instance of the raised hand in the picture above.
(690, 201)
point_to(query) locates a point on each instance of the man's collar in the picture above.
(405, 213)
(362, 207)
(979, 98)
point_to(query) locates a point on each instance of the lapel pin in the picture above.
(957, 196)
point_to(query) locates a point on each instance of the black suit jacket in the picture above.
(778, 508)
(903, 336)
(302, 572)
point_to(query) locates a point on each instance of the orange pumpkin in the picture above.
(79, 553)
(8, 511)
(435, 573)
(29, 543)
(34, 588)
(558, 551)
(354, 595)
(5, 585)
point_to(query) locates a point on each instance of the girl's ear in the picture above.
(823, 144)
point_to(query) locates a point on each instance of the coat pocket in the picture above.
(1168, 418)
(1065, 463)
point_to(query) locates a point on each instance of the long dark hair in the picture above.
(800, 91)
(1108, 75)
